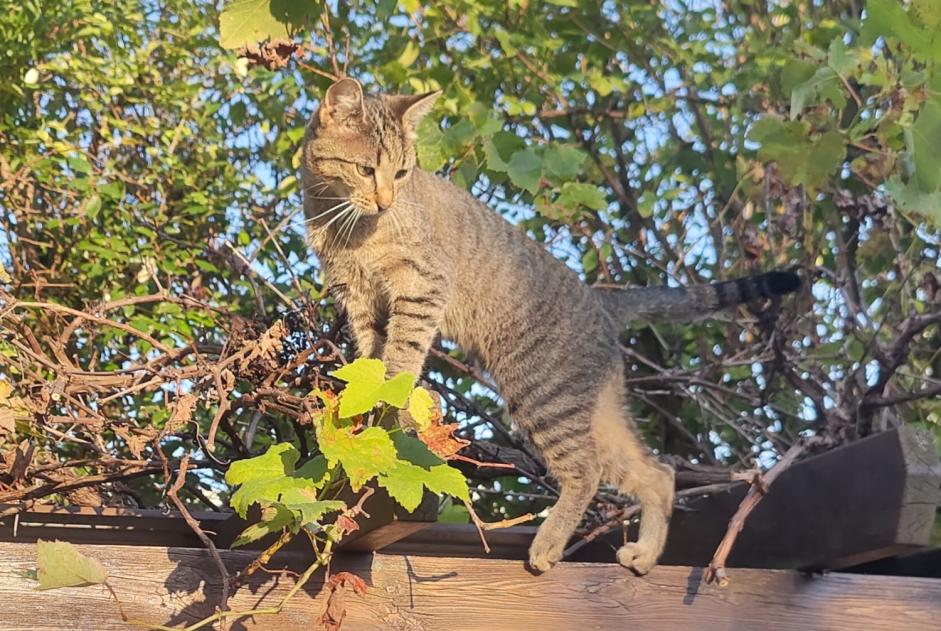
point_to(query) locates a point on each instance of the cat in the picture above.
(409, 255)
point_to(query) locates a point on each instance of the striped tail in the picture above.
(688, 304)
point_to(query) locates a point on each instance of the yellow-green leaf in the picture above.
(421, 408)
(60, 564)
(363, 455)
(409, 55)
(248, 22)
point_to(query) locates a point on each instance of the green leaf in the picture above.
(363, 455)
(311, 511)
(504, 38)
(248, 22)
(645, 205)
(800, 160)
(842, 59)
(420, 408)
(500, 148)
(405, 484)
(825, 84)
(408, 56)
(583, 194)
(80, 165)
(910, 197)
(525, 170)
(926, 142)
(430, 147)
(314, 470)
(396, 390)
(825, 157)
(887, 18)
(274, 519)
(269, 491)
(410, 449)
(452, 513)
(60, 564)
(796, 72)
(563, 161)
(928, 12)
(446, 479)
(277, 462)
(366, 386)
(93, 207)
(416, 468)
(362, 370)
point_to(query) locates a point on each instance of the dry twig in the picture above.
(760, 486)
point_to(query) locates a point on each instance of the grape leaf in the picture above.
(248, 22)
(421, 407)
(525, 170)
(446, 479)
(60, 564)
(366, 386)
(274, 518)
(405, 483)
(278, 461)
(563, 161)
(267, 491)
(363, 455)
(926, 138)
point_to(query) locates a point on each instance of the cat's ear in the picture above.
(413, 107)
(342, 103)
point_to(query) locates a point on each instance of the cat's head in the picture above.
(362, 149)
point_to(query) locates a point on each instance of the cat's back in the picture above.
(508, 287)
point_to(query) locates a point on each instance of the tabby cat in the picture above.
(409, 255)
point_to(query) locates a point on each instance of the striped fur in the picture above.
(687, 304)
(439, 261)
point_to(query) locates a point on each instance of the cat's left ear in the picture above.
(411, 108)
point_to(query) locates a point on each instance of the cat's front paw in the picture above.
(640, 559)
(542, 558)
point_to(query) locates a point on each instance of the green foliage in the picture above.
(294, 498)
(366, 386)
(60, 564)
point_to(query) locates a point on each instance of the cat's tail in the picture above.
(687, 304)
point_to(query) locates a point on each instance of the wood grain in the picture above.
(412, 593)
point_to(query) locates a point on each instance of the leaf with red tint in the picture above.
(335, 612)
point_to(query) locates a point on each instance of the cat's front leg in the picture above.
(418, 297)
(414, 321)
(360, 302)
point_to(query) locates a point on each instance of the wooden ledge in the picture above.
(174, 586)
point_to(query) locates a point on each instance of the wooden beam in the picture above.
(871, 499)
(387, 523)
(176, 586)
(868, 500)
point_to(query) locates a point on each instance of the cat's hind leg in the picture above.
(629, 466)
(559, 426)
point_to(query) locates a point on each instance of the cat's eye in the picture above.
(364, 170)
(400, 174)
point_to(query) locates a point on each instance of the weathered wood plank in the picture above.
(176, 585)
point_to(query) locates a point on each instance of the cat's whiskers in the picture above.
(343, 213)
(398, 228)
(349, 232)
(350, 215)
(322, 186)
(328, 211)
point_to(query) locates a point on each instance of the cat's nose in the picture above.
(383, 199)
